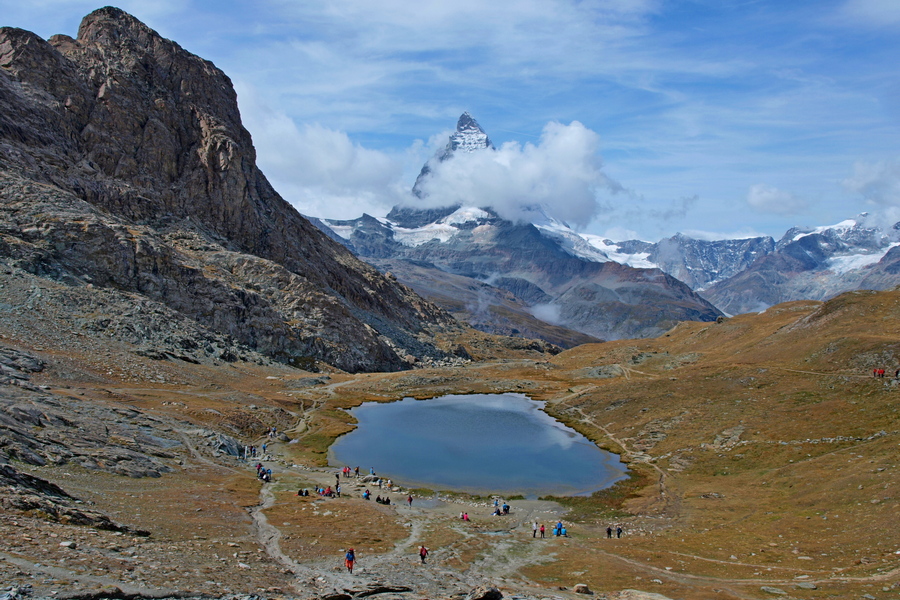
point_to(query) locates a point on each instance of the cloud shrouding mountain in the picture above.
(562, 172)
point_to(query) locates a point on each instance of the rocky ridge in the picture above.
(124, 165)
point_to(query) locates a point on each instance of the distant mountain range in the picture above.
(533, 279)
(522, 278)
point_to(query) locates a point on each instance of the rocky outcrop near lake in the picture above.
(124, 166)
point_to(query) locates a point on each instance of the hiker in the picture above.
(423, 552)
(465, 516)
(557, 529)
(542, 531)
(349, 559)
(337, 490)
(409, 500)
(506, 509)
(357, 472)
(618, 531)
(534, 529)
(372, 471)
(609, 532)
(378, 499)
(366, 494)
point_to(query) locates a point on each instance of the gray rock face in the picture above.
(124, 164)
(814, 265)
(700, 263)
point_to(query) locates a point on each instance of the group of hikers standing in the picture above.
(558, 530)
(878, 372)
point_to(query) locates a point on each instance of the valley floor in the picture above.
(764, 461)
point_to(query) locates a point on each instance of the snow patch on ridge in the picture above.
(852, 262)
(465, 214)
(638, 260)
(344, 231)
(422, 235)
(842, 227)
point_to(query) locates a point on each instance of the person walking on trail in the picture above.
(534, 529)
(349, 559)
(542, 531)
(409, 500)
(423, 552)
(609, 532)
(618, 531)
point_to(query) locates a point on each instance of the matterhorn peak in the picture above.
(468, 137)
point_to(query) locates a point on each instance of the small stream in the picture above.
(478, 443)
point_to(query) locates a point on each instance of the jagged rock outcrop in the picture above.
(124, 164)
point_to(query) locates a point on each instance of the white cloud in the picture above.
(322, 172)
(878, 182)
(713, 236)
(620, 234)
(561, 173)
(770, 199)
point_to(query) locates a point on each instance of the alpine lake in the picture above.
(477, 443)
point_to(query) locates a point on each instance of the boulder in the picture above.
(581, 588)
(483, 592)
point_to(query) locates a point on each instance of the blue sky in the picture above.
(709, 117)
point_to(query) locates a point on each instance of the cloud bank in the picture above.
(562, 174)
(766, 198)
(321, 171)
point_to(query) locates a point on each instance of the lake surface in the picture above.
(479, 443)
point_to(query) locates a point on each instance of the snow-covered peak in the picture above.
(849, 236)
(839, 228)
(469, 137)
(465, 214)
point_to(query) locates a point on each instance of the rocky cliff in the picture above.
(124, 164)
